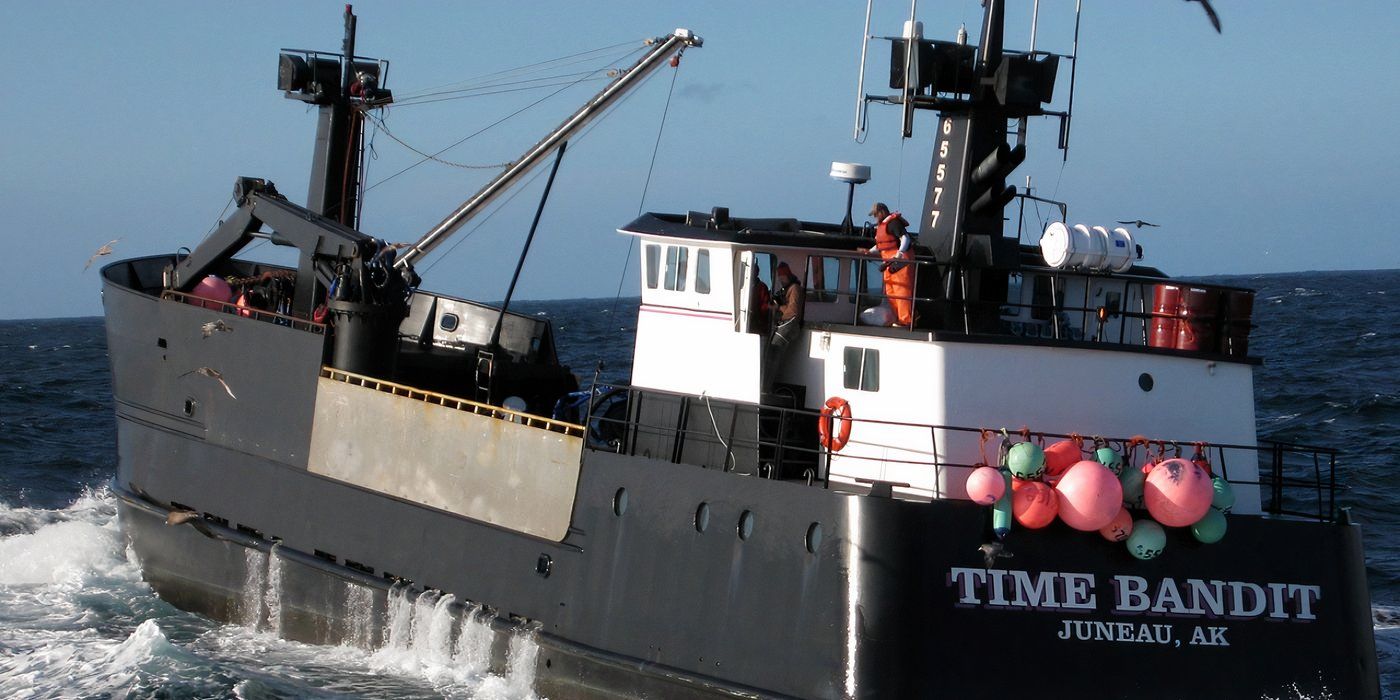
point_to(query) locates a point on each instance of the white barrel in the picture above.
(1096, 258)
(1122, 250)
(1065, 247)
(1055, 244)
(1081, 247)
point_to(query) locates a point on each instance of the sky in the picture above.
(1266, 148)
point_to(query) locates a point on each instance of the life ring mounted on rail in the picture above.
(836, 411)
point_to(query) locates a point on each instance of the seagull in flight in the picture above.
(212, 373)
(216, 325)
(1140, 223)
(992, 551)
(104, 250)
(1210, 13)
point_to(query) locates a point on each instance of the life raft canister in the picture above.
(837, 410)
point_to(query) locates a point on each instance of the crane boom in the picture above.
(628, 79)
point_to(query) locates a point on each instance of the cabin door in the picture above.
(755, 295)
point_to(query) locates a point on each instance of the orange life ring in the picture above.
(837, 410)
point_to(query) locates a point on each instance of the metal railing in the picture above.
(294, 322)
(481, 409)
(773, 442)
(1125, 321)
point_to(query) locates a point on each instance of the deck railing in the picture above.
(300, 324)
(1063, 305)
(481, 409)
(780, 443)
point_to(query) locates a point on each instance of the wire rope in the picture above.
(518, 69)
(641, 204)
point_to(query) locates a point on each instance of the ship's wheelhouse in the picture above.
(1065, 353)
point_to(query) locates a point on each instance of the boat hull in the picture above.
(677, 580)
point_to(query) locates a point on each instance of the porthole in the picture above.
(746, 524)
(448, 322)
(814, 537)
(702, 517)
(620, 502)
(1145, 381)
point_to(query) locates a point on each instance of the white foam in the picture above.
(250, 605)
(452, 650)
(67, 546)
(76, 619)
(88, 665)
(359, 608)
(273, 595)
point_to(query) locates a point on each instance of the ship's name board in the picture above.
(1133, 595)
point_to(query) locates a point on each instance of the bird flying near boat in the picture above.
(106, 249)
(1210, 13)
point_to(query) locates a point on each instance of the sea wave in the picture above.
(76, 620)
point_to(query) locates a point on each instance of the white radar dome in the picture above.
(850, 172)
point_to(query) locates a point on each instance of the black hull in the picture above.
(644, 604)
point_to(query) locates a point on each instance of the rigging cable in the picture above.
(219, 220)
(475, 133)
(519, 69)
(428, 156)
(364, 172)
(504, 88)
(656, 148)
(521, 187)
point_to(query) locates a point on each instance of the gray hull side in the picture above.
(869, 613)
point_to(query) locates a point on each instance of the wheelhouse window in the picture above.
(677, 258)
(653, 265)
(702, 271)
(862, 369)
(823, 275)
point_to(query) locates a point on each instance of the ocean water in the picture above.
(76, 620)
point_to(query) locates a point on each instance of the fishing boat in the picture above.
(851, 461)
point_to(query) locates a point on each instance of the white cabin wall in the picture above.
(687, 341)
(696, 355)
(1054, 390)
(908, 393)
(1089, 392)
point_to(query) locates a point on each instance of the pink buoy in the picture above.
(1178, 492)
(985, 485)
(1033, 503)
(1059, 457)
(214, 290)
(1119, 528)
(1090, 496)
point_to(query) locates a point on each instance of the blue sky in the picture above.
(1267, 148)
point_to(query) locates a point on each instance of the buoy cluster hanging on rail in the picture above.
(1098, 490)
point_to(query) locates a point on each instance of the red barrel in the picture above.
(1238, 307)
(1196, 330)
(1166, 306)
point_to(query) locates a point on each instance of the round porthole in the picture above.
(814, 537)
(1145, 381)
(745, 524)
(620, 502)
(702, 517)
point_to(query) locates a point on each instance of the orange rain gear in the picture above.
(899, 278)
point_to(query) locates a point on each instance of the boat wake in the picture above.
(77, 620)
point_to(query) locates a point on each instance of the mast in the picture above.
(341, 87)
(976, 91)
(628, 79)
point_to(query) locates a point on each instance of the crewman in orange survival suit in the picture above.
(892, 243)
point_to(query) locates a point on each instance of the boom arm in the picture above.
(648, 63)
(323, 242)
